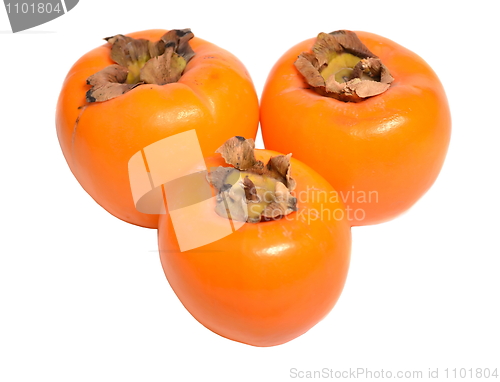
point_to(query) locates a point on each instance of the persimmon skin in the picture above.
(215, 96)
(268, 282)
(392, 145)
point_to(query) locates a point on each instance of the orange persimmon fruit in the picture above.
(282, 270)
(138, 89)
(366, 113)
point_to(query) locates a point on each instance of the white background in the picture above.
(83, 296)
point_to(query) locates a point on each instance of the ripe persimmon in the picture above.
(284, 265)
(138, 89)
(366, 113)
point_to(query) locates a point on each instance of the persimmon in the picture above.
(283, 265)
(366, 113)
(138, 89)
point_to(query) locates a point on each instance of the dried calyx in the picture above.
(342, 67)
(140, 61)
(251, 191)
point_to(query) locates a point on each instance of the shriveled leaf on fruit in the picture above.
(340, 66)
(140, 61)
(251, 191)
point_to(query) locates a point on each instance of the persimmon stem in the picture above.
(251, 191)
(140, 61)
(134, 70)
(342, 67)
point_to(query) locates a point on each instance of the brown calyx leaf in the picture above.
(218, 176)
(350, 43)
(325, 48)
(250, 190)
(279, 167)
(283, 205)
(180, 38)
(238, 152)
(231, 203)
(169, 66)
(143, 61)
(307, 64)
(164, 69)
(108, 83)
(126, 51)
(343, 79)
(264, 189)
